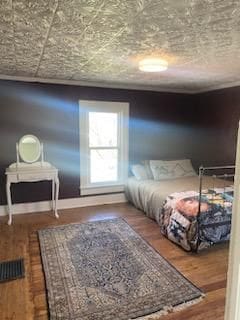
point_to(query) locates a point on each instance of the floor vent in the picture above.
(10, 270)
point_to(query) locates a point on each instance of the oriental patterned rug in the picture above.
(104, 270)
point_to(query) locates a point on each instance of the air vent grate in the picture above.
(10, 270)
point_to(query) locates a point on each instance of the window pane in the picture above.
(103, 129)
(104, 165)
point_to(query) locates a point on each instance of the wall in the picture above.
(162, 125)
(202, 127)
(219, 114)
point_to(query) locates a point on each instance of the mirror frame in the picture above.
(39, 148)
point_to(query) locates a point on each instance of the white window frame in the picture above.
(122, 108)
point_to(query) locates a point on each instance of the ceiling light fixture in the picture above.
(153, 65)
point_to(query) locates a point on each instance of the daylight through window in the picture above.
(103, 146)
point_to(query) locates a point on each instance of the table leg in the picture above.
(56, 197)
(53, 195)
(9, 202)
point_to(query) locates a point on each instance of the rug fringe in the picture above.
(166, 310)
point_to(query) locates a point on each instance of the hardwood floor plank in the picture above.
(25, 299)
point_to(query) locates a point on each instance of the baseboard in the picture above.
(31, 207)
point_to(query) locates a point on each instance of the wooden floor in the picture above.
(26, 298)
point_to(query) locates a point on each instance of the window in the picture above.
(103, 146)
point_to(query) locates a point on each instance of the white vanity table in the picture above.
(30, 150)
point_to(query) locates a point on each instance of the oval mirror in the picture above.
(29, 148)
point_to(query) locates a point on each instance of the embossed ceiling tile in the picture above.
(67, 22)
(7, 54)
(85, 35)
(117, 70)
(98, 14)
(53, 73)
(53, 57)
(25, 67)
(103, 40)
(7, 67)
(31, 22)
(93, 26)
(64, 46)
(141, 36)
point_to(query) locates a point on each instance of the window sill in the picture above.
(101, 190)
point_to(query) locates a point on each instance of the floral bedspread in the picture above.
(181, 223)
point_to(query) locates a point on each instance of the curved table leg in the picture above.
(9, 202)
(56, 197)
(53, 195)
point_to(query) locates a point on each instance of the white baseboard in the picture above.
(30, 207)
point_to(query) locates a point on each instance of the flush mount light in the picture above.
(153, 65)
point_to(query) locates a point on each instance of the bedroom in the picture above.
(189, 111)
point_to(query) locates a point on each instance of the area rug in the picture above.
(104, 270)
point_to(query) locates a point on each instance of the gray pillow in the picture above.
(139, 172)
(163, 170)
(147, 168)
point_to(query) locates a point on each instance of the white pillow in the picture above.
(147, 168)
(163, 170)
(139, 172)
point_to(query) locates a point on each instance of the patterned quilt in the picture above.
(181, 223)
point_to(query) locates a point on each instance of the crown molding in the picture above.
(219, 87)
(95, 84)
(125, 86)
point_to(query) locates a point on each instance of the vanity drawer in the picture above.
(34, 177)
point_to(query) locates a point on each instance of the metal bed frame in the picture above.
(201, 173)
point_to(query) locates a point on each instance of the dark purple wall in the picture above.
(162, 125)
(219, 116)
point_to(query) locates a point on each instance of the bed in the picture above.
(183, 219)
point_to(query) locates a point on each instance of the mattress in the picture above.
(154, 198)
